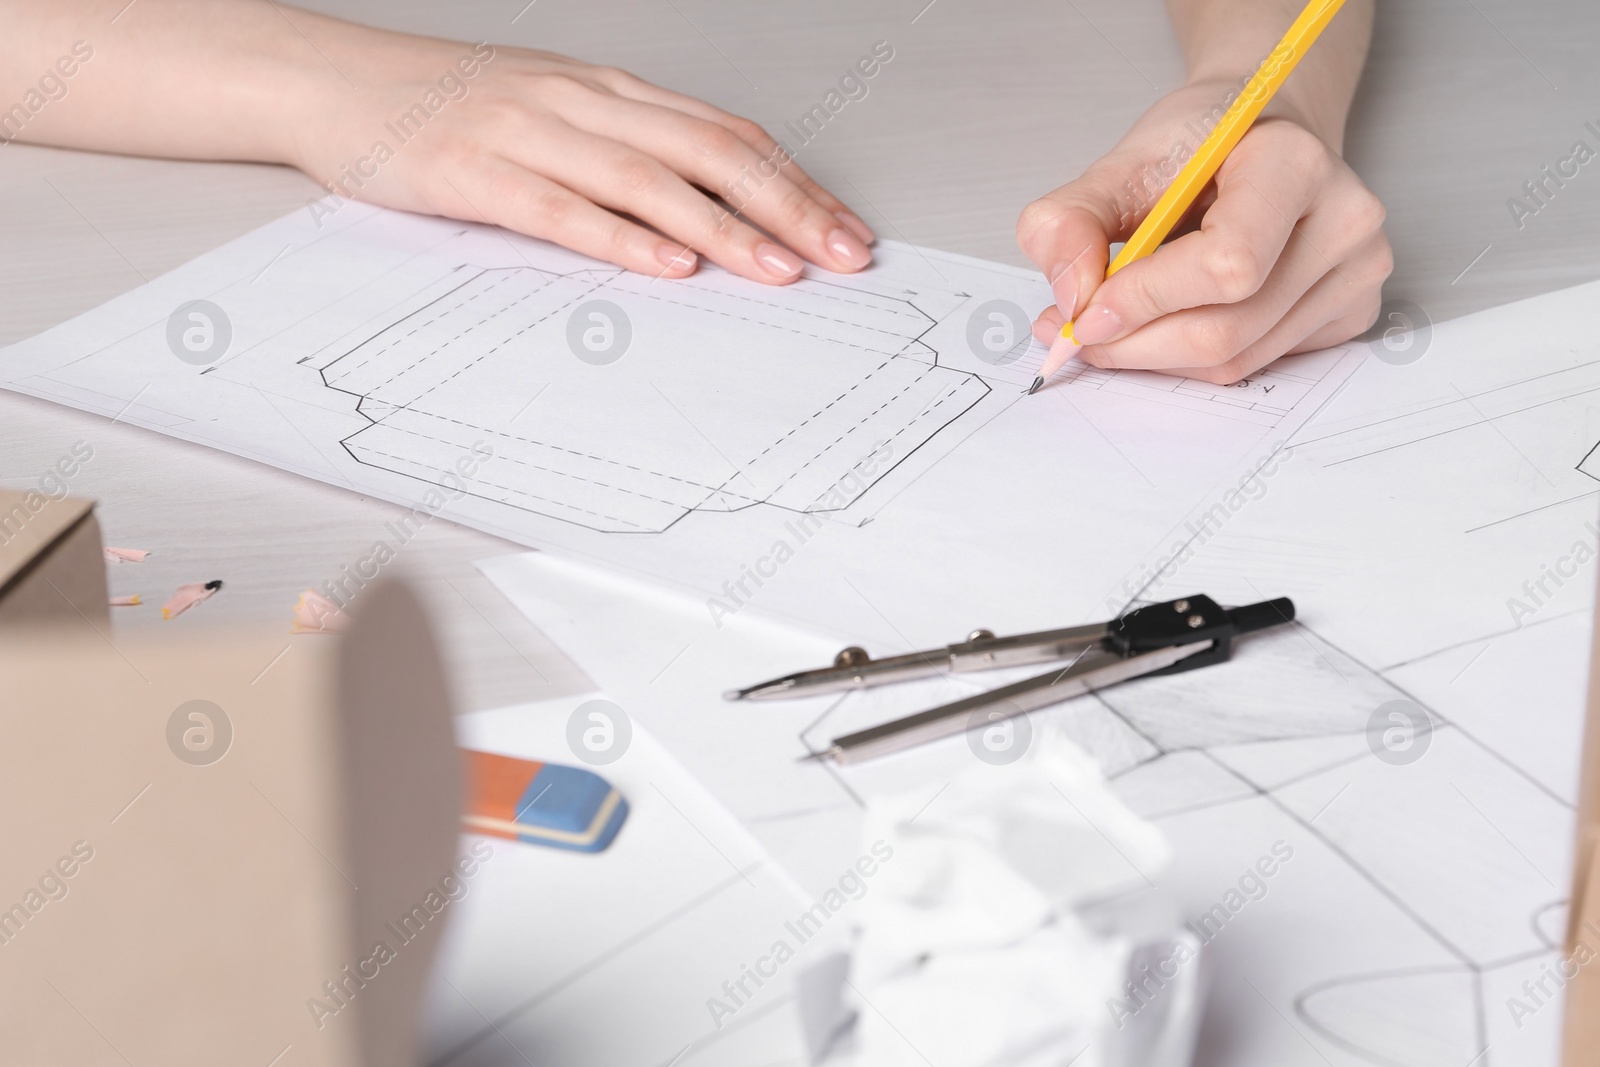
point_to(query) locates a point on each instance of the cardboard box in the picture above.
(191, 818)
(1580, 962)
(51, 568)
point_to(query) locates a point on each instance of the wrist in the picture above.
(329, 111)
(1289, 104)
(284, 101)
(1325, 121)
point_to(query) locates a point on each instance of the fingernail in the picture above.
(849, 250)
(1095, 325)
(675, 257)
(857, 227)
(778, 262)
(1064, 287)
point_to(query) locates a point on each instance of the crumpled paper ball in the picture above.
(970, 950)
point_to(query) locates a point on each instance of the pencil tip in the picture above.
(1034, 388)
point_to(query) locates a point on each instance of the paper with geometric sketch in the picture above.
(1412, 739)
(851, 451)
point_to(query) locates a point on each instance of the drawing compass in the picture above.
(1166, 638)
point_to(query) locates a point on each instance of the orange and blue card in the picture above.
(541, 803)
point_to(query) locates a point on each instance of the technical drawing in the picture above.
(880, 396)
(385, 348)
(1590, 463)
(768, 400)
(1431, 894)
(1417, 836)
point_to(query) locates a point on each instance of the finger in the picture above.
(1341, 329)
(1226, 261)
(768, 148)
(753, 134)
(504, 194)
(1047, 327)
(624, 179)
(1311, 312)
(713, 156)
(1346, 299)
(1213, 334)
(1068, 234)
(1327, 313)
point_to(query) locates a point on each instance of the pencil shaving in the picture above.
(187, 596)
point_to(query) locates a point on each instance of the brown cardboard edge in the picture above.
(42, 552)
(1581, 1013)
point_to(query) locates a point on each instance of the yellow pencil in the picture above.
(1235, 122)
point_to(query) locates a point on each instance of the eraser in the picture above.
(541, 803)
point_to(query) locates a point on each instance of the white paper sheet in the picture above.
(786, 450)
(1424, 890)
(1406, 887)
(549, 950)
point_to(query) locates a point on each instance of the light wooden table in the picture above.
(983, 107)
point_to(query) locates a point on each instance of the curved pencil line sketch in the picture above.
(1382, 1025)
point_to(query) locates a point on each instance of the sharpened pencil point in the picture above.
(1034, 388)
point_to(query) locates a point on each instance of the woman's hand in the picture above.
(1288, 256)
(589, 157)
